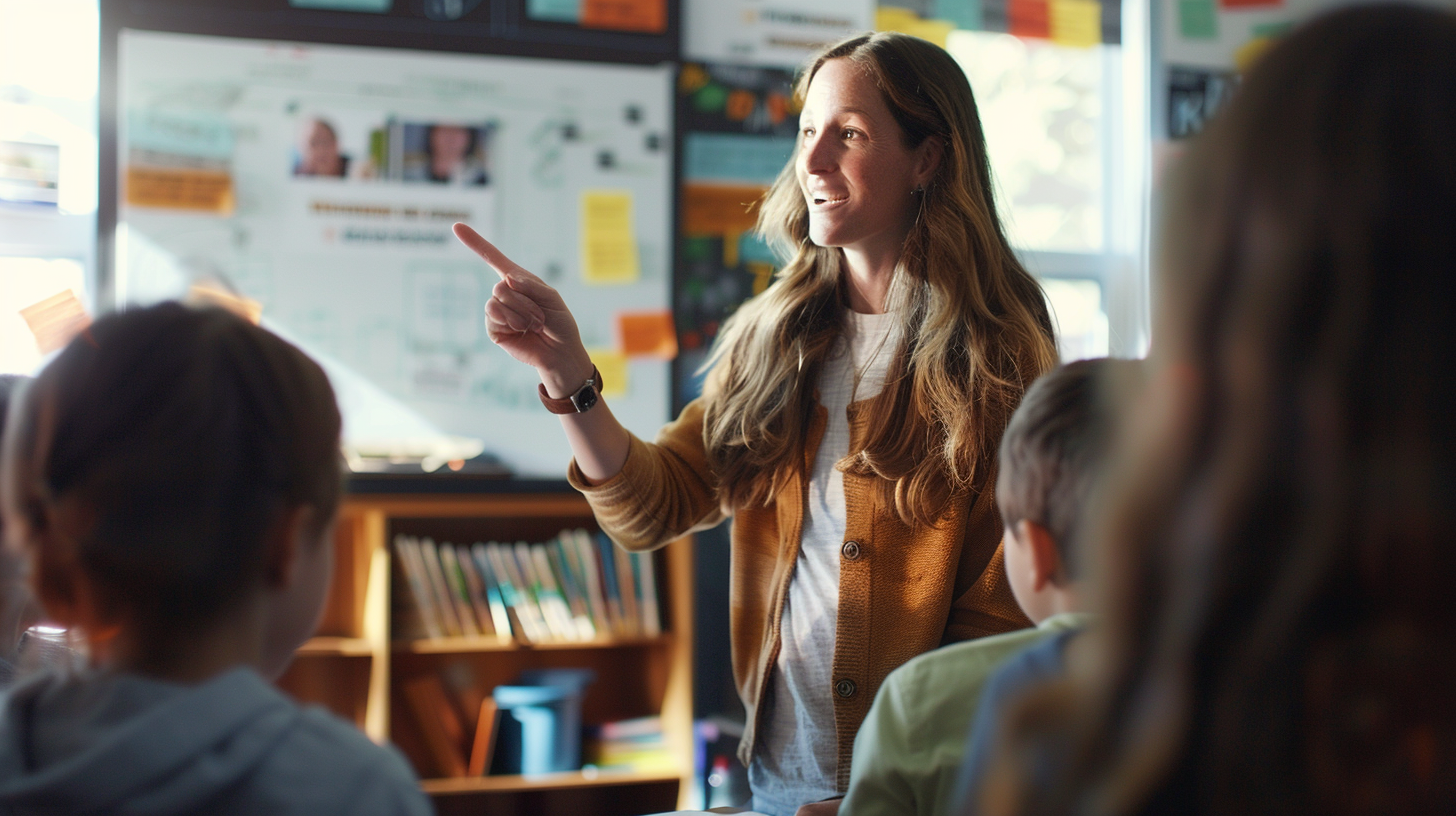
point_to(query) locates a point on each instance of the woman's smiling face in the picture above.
(855, 172)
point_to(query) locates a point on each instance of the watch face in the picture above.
(584, 399)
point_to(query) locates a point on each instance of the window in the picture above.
(1065, 129)
(48, 172)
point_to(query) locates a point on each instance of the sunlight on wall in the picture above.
(1041, 107)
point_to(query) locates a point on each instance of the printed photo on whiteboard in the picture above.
(441, 153)
(29, 173)
(318, 152)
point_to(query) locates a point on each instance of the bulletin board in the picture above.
(318, 183)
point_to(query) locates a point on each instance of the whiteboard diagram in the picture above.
(322, 181)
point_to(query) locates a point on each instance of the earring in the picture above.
(919, 189)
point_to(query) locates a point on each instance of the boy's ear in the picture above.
(287, 535)
(1046, 559)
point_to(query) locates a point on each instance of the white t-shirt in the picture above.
(797, 753)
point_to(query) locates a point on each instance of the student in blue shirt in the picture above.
(1273, 566)
(173, 477)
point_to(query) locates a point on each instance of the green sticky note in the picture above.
(375, 6)
(1272, 30)
(558, 11)
(1198, 19)
(966, 14)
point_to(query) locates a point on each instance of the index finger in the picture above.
(498, 261)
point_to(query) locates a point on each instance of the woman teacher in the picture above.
(851, 418)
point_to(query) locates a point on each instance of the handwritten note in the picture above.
(1076, 22)
(608, 245)
(55, 320)
(647, 334)
(613, 367)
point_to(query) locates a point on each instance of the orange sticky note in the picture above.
(55, 320)
(647, 334)
(647, 16)
(1029, 18)
(204, 294)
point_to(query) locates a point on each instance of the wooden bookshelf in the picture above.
(354, 668)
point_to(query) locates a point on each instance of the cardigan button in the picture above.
(845, 688)
(851, 551)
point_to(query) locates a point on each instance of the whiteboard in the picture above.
(219, 185)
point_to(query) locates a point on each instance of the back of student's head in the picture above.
(1275, 570)
(1055, 446)
(151, 457)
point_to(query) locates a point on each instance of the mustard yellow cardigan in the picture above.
(903, 590)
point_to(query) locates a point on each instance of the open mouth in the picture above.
(821, 200)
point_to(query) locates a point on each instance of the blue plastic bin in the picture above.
(540, 724)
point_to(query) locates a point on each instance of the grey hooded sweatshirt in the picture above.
(107, 743)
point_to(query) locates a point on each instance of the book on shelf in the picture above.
(549, 602)
(459, 593)
(627, 588)
(475, 587)
(517, 594)
(637, 745)
(482, 748)
(439, 724)
(577, 587)
(498, 615)
(570, 587)
(440, 590)
(586, 562)
(415, 610)
(646, 579)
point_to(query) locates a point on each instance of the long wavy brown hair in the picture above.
(1278, 556)
(974, 323)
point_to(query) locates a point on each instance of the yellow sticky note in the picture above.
(893, 18)
(55, 320)
(613, 367)
(608, 246)
(1075, 22)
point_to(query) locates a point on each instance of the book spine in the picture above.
(560, 619)
(610, 586)
(439, 725)
(407, 550)
(475, 584)
(647, 594)
(498, 614)
(527, 564)
(527, 611)
(440, 591)
(459, 594)
(628, 590)
(586, 558)
(571, 587)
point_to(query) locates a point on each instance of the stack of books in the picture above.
(572, 588)
(630, 745)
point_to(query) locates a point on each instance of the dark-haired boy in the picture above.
(909, 750)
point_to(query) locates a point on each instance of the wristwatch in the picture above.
(578, 403)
